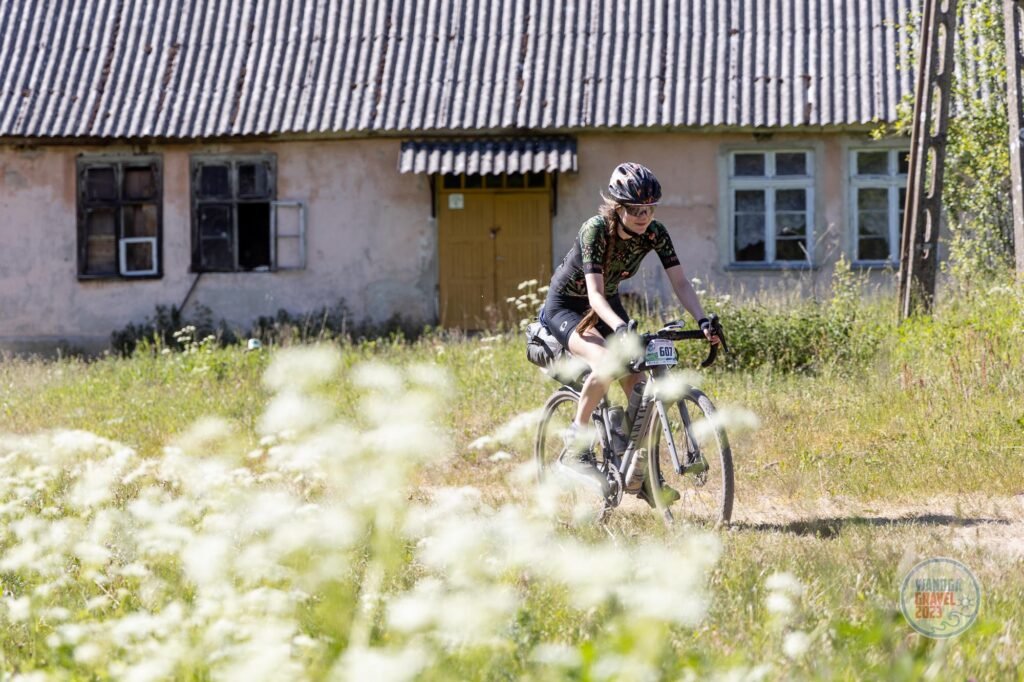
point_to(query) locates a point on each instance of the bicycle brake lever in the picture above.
(710, 359)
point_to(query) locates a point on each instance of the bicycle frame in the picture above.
(651, 407)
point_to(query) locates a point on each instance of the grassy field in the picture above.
(318, 515)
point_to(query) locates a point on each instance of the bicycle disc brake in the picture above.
(615, 485)
(698, 469)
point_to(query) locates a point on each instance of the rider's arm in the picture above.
(600, 305)
(687, 296)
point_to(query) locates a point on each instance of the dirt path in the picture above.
(996, 524)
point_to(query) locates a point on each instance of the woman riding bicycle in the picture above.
(583, 307)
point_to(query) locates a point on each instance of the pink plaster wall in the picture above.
(371, 240)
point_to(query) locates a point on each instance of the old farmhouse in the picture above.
(423, 157)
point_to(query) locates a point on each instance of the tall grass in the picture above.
(319, 513)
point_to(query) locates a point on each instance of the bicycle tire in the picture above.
(708, 496)
(557, 413)
(549, 431)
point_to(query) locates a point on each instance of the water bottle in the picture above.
(634, 478)
(617, 429)
(635, 398)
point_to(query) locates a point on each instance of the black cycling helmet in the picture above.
(632, 183)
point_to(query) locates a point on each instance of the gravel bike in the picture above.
(686, 446)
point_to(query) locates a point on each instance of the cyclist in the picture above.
(583, 307)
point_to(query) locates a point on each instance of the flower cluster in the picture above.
(312, 555)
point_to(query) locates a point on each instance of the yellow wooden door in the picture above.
(523, 246)
(466, 255)
(495, 241)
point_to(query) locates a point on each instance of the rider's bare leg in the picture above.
(590, 347)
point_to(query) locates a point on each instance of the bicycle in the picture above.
(706, 490)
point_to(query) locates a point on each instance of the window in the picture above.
(771, 207)
(235, 215)
(119, 216)
(878, 179)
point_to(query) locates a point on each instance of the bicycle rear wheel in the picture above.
(704, 495)
(558, 413)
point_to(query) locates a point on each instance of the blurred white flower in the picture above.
(557, 655)
(796, 644)
(673, 387)
(733, 419)
(522, 425)
(376, 376)
(290, 410)
(302, 368)
(779, 604)
(18, 608)
(381, 665)
(784, 582)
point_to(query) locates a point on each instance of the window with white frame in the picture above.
(878, 179)
(119, 216)
(771, 207)
(237, 222)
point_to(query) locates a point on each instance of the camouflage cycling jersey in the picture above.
(587, 257)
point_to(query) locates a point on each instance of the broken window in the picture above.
(234, 215)
(771, 207)
(119, 216)
(878, 179)
(232, 202)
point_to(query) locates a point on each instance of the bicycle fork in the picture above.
(697, 463)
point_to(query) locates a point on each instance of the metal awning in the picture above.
(489, 156)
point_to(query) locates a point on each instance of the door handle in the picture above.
(495, 231)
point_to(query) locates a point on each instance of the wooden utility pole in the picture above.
(1014, 22)
(923, 210)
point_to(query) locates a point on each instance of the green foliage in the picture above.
(806, 335)
(160, 331)
(976, 186)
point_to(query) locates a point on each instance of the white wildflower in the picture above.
(18, 608)
(302, 368)
(784, 582)
(796, 644)
(377, 376)
(381, 665)
(499, 456)
(558, 655)
(289, 410)
(779, 604)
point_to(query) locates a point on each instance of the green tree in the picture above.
(976, 194)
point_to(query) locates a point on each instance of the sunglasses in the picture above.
(637, 210)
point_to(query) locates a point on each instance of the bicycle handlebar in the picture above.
(673, 331)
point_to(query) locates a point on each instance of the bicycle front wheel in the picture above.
(705, 485)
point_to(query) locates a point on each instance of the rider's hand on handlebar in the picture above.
(627, 345)
(709, 328)
(626, 328)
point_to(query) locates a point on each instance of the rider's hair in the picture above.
(609, 210)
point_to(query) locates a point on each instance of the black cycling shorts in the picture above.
(561, 314)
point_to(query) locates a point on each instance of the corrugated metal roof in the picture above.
(184, 69)
(488, 156)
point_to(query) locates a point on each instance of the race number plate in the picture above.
(660, 352)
